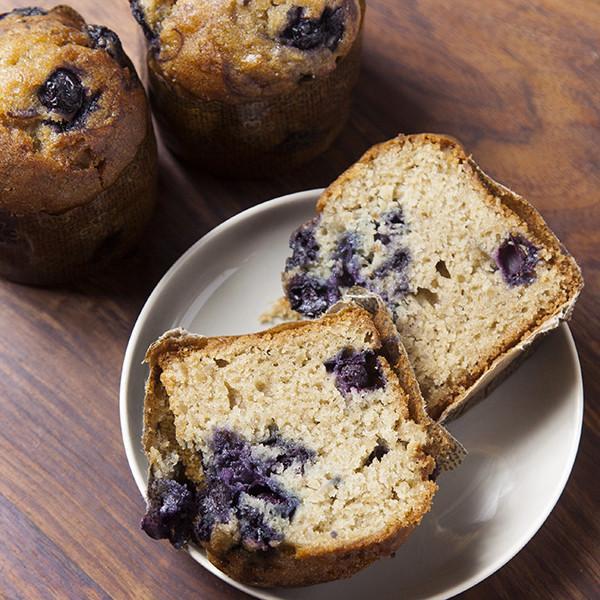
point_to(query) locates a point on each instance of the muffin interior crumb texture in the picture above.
(464, 276)
(299, 437)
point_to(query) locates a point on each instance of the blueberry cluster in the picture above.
(233, 474)
(355, 370)
(312, 296)
(517, 258)
(307, 34)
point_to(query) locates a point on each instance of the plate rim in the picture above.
(197, 554)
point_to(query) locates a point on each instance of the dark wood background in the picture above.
(517, 81)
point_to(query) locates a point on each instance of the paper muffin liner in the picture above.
(43, 248)
(255, 137)
(448, 451)
(506, 364)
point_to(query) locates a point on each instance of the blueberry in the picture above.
(310, 296)
(384, 238)
(391, 222)
(390, 280)
(282, 503)
(255, 532)
(395, 217)
(516, 258)
(170, 511)
(233, 473)
(306, 34)
(346, 270)
(62, 92)
(28, 11)
(90, 104)
(140, 17)
(304, 246)
(290, 451)
(396, 264)
(359, 370)
(106, 39)
(214, 506)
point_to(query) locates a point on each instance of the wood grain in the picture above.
(517, 81)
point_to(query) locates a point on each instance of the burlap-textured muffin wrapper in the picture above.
(45, 249)
(255, 137)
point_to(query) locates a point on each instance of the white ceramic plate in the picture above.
(522, 440)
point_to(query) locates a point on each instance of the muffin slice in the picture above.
(293, 456)
(469, 270)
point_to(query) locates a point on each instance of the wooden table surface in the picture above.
(517, 81)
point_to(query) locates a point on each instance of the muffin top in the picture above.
(226, 49)
(72, 110)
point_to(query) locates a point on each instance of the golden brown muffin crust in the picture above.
(52, 161)
(222, 49)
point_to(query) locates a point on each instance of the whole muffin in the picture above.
(78, 161)
(249, 86)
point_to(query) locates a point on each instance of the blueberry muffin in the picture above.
(245, 88)
(293, 456)
(470, 271)
(78, 165)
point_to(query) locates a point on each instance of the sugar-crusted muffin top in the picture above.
(72, 110)
(222, 49)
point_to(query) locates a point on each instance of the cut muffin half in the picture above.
(293, 456)
(469, 270)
